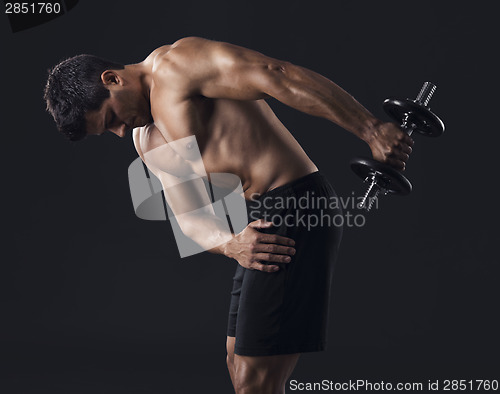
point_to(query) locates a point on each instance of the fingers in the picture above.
(396, 163)
(275, 239)
(273, 253)
(400, 153)
(272, 258)
(265, 248)
(405, 148)
(393, 146)
(397, 158)
(269, 238)
(269, 257)
(260, 223)
(274, 248)
(404, 144)
(264, 267)
(408, 140)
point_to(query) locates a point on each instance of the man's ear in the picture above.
(110, 77)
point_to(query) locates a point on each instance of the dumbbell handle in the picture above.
(423, 98)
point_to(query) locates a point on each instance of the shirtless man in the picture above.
(215, 92)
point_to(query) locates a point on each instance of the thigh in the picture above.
(286, 312)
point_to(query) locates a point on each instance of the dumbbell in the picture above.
(412, 115)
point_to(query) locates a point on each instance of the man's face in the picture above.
(125, 109)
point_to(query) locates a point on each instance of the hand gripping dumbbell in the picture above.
(412, 115)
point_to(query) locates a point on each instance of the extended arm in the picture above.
(221, 70)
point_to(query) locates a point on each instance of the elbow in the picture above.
(279, 70)
(208, 233)
(187, 226)
(278, 67)
(276, 78)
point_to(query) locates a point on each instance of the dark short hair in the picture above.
(74, 87)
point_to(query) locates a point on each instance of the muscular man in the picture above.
(215, 92)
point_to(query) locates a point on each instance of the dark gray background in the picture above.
(94, 299)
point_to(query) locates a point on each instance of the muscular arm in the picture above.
(184, 191)
(221, 70)
(194, 213)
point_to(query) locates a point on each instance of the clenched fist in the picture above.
(390, 145)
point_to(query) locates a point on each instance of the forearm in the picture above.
(207, 230)
(312, 93)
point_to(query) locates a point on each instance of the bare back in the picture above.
(244, 138)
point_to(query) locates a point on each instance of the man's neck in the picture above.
(141, 72)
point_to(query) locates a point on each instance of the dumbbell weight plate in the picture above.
(394, 181)
(427, 123)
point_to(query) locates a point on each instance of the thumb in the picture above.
(261, 223)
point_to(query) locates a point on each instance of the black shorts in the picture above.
(286, 311)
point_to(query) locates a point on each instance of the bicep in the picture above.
(184, 190)
(171, 163)
(185, 196)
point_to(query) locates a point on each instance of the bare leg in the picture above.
(230, 358)
(262, 375)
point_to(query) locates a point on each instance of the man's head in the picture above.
(88, 95)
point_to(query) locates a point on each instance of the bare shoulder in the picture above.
(191, 43)
(158, 52)
(147, 138)
(174, 67)
(164, 52)
(187, 51)
(162, 158)
(136, 136)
